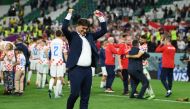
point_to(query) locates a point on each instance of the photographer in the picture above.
(187, 60)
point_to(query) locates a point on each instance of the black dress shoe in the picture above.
(141, 98)
(132, 96)
(168, 94)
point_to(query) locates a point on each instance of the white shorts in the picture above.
(44, 68)
(104, 72)
(1, 66)
(33, 64)
(146, 73)
(57, 71)
(38, 67)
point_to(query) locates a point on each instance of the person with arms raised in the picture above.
(82, 56)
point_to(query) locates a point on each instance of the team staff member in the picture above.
(82, 56)
(124, 48)
(168, 55)
(110, 52)
(135, 69)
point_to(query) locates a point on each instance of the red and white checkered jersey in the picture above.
(39, 48)
(144, 48)
(48, 43)
(44, 55)
(58, 47)
(22, 60)
(34, 53)
(9, 60)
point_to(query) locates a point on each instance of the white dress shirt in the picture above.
(85, 58)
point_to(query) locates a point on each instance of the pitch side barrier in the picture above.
(179, 72)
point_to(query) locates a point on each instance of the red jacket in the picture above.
(110, 52)
(123, 50)
(168, 55)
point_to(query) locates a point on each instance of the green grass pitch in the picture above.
(34, 98)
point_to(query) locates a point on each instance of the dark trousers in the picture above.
(81, 81)
(167, 78)
(136, 77)
(174, 43)
(111, 75)
(125, 80)
(188, 71)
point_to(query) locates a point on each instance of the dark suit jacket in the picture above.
(75, 44)
(135, 63)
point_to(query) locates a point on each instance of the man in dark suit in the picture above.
(135, 69)
(82, 56)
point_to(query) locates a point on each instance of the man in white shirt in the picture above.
(82, 56)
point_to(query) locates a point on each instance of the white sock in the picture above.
(102, 84)
(54, 90)
(60, 89)
(43, 80)
(37, 78)
(29, 75)
(151, 92)
(51, 82)
(93, 71)
(147, 92)
(58, 84)
(2, 81)
(169, 91)
(40, 80)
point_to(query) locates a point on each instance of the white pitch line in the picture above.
(172, 101)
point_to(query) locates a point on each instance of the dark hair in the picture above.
(58, 33)
(83, 22)
(168, 38)
(143, 36)
(19, 38)
(34, 39)
(18, 49)
(135, 42)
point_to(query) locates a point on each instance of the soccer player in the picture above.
(34, 58)
(57, 68)
(102, 64)
(144, 47)
(44, 61)
(168, 56)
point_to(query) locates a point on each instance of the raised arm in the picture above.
(160, 48)
(140, 53)
(65, 25)
(103, 25)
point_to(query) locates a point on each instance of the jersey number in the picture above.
(35, 51)
(55, 50)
